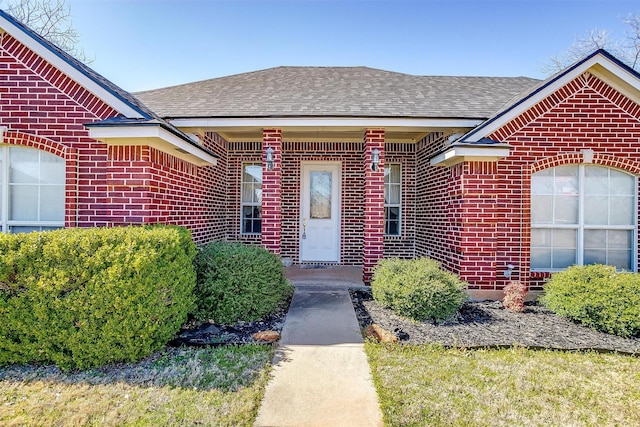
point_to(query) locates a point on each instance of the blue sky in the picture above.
(146, 44)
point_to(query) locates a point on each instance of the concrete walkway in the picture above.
(321, 376)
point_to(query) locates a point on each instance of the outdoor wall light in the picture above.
(269, 159)
(375, 159)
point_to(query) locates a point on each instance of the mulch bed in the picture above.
(489, 324)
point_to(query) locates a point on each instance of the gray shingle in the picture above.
(338, 92)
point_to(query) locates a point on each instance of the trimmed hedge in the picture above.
(82, 298)
(597, 296)
(238, 282)
(418, 289)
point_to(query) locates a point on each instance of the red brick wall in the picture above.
(438, 206)
(45, 109)
(373, 220)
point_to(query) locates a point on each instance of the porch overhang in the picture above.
(301, 129)
(152, 135)
(470, 152)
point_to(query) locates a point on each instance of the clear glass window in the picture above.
(392, 199)
(251, 199)
(583, 214)
(32, 189)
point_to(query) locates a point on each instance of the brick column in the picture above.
(373, 204)
(271, 190)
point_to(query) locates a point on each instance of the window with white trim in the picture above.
(251, 199)
(392, 199)
(583, 214)
(32, 190)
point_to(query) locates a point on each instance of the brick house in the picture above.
(497, 178)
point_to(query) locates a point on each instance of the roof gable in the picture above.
(600, 63)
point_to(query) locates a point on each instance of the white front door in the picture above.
(320, 212)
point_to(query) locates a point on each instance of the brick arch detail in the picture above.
(70, 156)
(599, 159)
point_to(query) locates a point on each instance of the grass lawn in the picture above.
(209, 386)
(430, 385)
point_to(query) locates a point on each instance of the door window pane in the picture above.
(320, 197)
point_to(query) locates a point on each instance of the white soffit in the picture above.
(153, 136)
(98, 90)
(470, 153)
(599, 65)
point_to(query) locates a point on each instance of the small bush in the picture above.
(514, 294)
(82, 298)
(418, 289)
(238, 282)
(598, 297)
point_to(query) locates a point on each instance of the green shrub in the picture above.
(418, 289)
(238, 282)
(598, 297)
(82, 298)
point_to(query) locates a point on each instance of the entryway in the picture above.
(320, 212)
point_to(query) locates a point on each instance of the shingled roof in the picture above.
(336, 92)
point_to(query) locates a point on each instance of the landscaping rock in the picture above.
(266, 336)
(379, 334)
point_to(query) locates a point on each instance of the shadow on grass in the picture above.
(223, 368)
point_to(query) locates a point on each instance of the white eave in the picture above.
(154, 136)
(458, 153)
(77, 75)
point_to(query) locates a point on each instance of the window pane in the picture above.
(252, 173)
(619, 239)
(596, 180)
(52, 203)
(566, 180)
(592, 256)
(542, 209)
(620, 259)
(51, 169)
(564, 238)
(596, 210)
(392, 195)
(541, 237)
(622, 183)
(541, 258)
(595, 239)
(542, 182)
(563, 258)
(24, 165)
(29, 228)
(566, 210)
(23, 202)
(622, 210)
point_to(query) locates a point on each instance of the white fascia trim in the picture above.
(478, 134)
(106, 133)
(462, 153)
(122, 107)
(3, 129)
(329, 122)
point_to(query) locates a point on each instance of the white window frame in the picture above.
(5, 223)
(580, 227)
(393, 205)
(243, 204)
